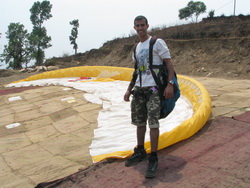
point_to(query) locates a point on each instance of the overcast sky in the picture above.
(103, 20)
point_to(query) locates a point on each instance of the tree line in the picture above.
(23, 47)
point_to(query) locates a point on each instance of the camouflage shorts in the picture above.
(145, 106)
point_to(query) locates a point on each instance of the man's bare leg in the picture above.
(141, 131)
(154, 137)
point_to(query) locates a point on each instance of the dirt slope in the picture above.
(216, 49)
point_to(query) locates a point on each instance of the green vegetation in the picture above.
(193, 9)
(74, 34)
(39, 40)
(211, 13)
(22, 47)
(18, 50)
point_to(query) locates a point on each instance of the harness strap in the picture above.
(161, 68)
(136, 65)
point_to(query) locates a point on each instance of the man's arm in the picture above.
(169, 91)
(130, 87)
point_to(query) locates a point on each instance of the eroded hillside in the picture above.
(215, 48)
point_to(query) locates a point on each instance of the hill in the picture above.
(218, 47)
(214, 47)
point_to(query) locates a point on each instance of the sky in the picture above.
(103, 20)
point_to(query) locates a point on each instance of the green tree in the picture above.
(193, 9)
(211, 13)
(17, 52)
(74, 34)
(39, 40)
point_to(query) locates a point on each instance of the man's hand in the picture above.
(127, 95)
(169, 91)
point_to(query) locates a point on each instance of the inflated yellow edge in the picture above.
(190, 88)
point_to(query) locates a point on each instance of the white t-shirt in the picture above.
(160, 52)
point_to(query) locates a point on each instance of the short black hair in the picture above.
(140, 17)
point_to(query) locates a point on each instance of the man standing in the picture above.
(146, 103)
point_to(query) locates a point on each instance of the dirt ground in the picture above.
(8, 76)
(217, 156)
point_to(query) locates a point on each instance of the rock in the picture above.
(209, 74)
(31, 70)
(50, 68)
(23, 70)
(203, 69)
(41, 68)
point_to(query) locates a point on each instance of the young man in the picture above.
(146, 105)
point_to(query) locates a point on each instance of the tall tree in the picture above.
(40, 12)
(17, 52)
(193, 9)
(74, 34)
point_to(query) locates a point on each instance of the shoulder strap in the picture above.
(134, 50)
(136, 66)
(151, 44)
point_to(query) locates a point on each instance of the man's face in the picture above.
(141, 27)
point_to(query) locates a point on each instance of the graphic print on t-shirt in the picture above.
(143, 61)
